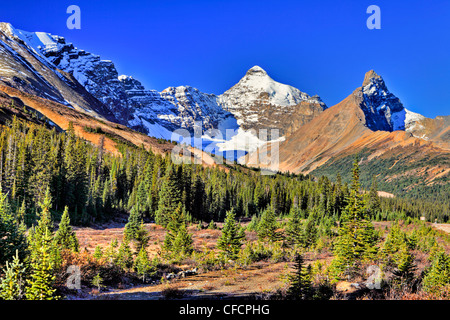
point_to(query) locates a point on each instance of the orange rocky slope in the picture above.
(62, 115)
(342, 130)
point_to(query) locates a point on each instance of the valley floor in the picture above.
(253, 281)
(257, 281)
(248, 282)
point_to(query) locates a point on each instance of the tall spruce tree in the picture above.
(169, 196)
(132, 226)
(45, 215)
(231, 238)
(301, 287)
(44, 227)
(310, 232)
(40, 286)
(12, 286)
(178, 241)
(268, 225)
(198, 199)
(294, 231)
(65, 237)
(142, 237)
(356, 238)
(374, 201)
(42, 231)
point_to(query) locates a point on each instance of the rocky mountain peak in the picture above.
(256, 70)
(369, 76)
(382, 109)
(6, 27)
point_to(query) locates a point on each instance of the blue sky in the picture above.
(320, 47)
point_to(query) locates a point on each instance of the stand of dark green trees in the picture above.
(48, 176)
(95, 185)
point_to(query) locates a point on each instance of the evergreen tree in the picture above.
(169, 197)
(391, 251)
(12, 286)
(231, 238)
(259, 197)
(98, 282)
(12, 236)
(374, 203)
(183, 243)
(124, 257)
(24, 170)
(110, 253)
(310, 233)
(22, 213)
(41, 282)
(294, 230)
(211, 226)
(438, 275)
(42, 230)
(75, 159)
(178, 240)
(98, 253)
(356, 238)
(141, 237)
(45, 222)
(142, 265)
(301, 287)
(268, 225)
(65, 237)
(134, 222)
(404, 273)
(198, 199)
(41, 174)
(338, 196)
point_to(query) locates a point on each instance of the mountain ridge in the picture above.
(329, 142)
(266, 104)
(371, 120)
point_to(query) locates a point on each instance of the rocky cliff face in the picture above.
(22, 66)
(50, 67)
(255, 102)
(160, 113)
(393, 143)
(382, 110)
(122, 98)
(98, 77)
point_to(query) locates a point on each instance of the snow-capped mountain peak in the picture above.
(257, 84)
(256, 70)
(41, 42)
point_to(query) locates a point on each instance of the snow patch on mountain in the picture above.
(413, 124)
(412, 120)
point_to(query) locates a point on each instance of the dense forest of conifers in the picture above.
(48, 176)
(401, 184)
(95, 185)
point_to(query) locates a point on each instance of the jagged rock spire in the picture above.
(370, 75)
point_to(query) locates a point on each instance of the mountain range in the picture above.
(405, 150)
